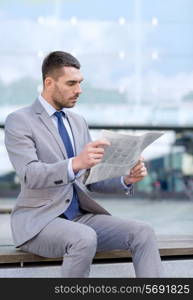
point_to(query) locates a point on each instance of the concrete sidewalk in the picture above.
(176, 268)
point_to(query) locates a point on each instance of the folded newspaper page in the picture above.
(122, 155)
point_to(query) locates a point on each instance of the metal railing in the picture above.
(134, 127)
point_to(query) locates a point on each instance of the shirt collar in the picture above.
(47, 106)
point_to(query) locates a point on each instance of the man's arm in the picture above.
(23, 155)
(121, 184)
(110, 186)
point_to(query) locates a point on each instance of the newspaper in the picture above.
(121, 156)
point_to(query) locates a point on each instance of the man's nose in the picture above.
(78, 89)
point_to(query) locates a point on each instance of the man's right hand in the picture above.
(90, 156)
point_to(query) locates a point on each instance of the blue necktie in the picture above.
(74, 208)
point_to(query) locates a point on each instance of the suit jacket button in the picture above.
(58, 182)
(67, 200)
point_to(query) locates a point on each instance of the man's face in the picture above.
(66, 89)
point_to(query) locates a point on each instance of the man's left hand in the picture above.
(138, 172)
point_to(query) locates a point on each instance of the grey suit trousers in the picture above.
(78, 240)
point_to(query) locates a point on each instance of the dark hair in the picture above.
(56, 60)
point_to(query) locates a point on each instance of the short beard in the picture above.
(58, 104)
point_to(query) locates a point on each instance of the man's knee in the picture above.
(146, 233)
(88, 240)
(143, 235)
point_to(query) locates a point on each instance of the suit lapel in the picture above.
(75, 133)
(46, 120)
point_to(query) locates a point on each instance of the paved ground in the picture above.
(179, 269)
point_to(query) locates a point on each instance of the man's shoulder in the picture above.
(20, 114)
(22, 110)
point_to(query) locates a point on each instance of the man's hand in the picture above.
(138, 172)
(90, 156)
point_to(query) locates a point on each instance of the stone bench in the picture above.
(170, 247)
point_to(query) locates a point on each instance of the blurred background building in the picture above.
(137, 61)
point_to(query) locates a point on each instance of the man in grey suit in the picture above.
(51, 150)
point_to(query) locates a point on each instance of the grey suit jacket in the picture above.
(40, 160)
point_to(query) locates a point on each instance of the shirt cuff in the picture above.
(71, 174)
(127, 187)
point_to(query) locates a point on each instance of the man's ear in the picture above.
(48, 82)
